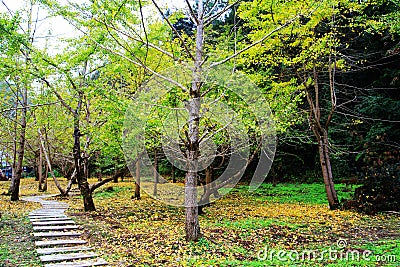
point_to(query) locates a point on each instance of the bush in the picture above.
(381, 186)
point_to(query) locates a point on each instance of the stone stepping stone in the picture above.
(58, 213)
(98, 262)
(48, 217)
(57, 234)
(62, 249)
(52, 223)
(45, 219)
(55, 228)
(60, 242)
(67, 257)
(53, 215)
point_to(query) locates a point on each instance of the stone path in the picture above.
(57, 237)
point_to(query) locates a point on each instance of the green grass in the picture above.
(16, 242)
(110, 191)
(296, 193)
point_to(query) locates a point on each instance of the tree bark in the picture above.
(192, 225)
(155, 172)
(48, 166)
(16, 180)
(320, 131)
(45, 177)
(115, 176)
(137, 183)
(173, 173)
(80, 177)
(323, 149)
(40, 168)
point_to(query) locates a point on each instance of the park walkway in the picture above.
(57, 237)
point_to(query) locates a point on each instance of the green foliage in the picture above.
(11, 41)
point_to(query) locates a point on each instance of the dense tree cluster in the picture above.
(330, 71)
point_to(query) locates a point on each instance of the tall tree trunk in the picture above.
(137, 174)
(40, 168)
(48, 166)
(155, 172)
(45, 177)
(192, 225)
(80, 177)
(321, 133)
(36, 168)
(14, 156)
(323, 149)
(205, 198)
(85, 165)
(16, 180)
(115, 174)
(173, 173)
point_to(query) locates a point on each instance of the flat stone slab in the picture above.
(48, 216)
(67, 257)
(46, 219)
(62, 249)
(98, 262)
(53, 213)
(55, 228)
(60, 242)
(46, 211)
(52, 223)
(56, 234)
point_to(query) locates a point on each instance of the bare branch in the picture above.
(48, 84)
(174, 30)
(147, 43)
(140, 64)
(193, 15)
(209, 20)
(144, 29)
(212, 8)
(31, 106)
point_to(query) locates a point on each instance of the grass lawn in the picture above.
(273, 226)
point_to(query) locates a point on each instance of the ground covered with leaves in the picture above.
(273, 226)
(16, 242)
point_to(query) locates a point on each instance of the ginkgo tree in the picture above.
(17, 35)
(126, 25)
(305, 57)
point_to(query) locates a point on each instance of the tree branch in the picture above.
(174, 30)
(287, 23)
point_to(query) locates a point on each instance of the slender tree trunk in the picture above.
(192, 225)
(205, 198)
(45, 177)
(326, 167)
(321, 133)
(36, 167)
(115, 176)
(14, 156)
(155, 172)
(173, 173)
(40, 168)
(85, 166)
(137, 174)
(48, 166)
(15, 182)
